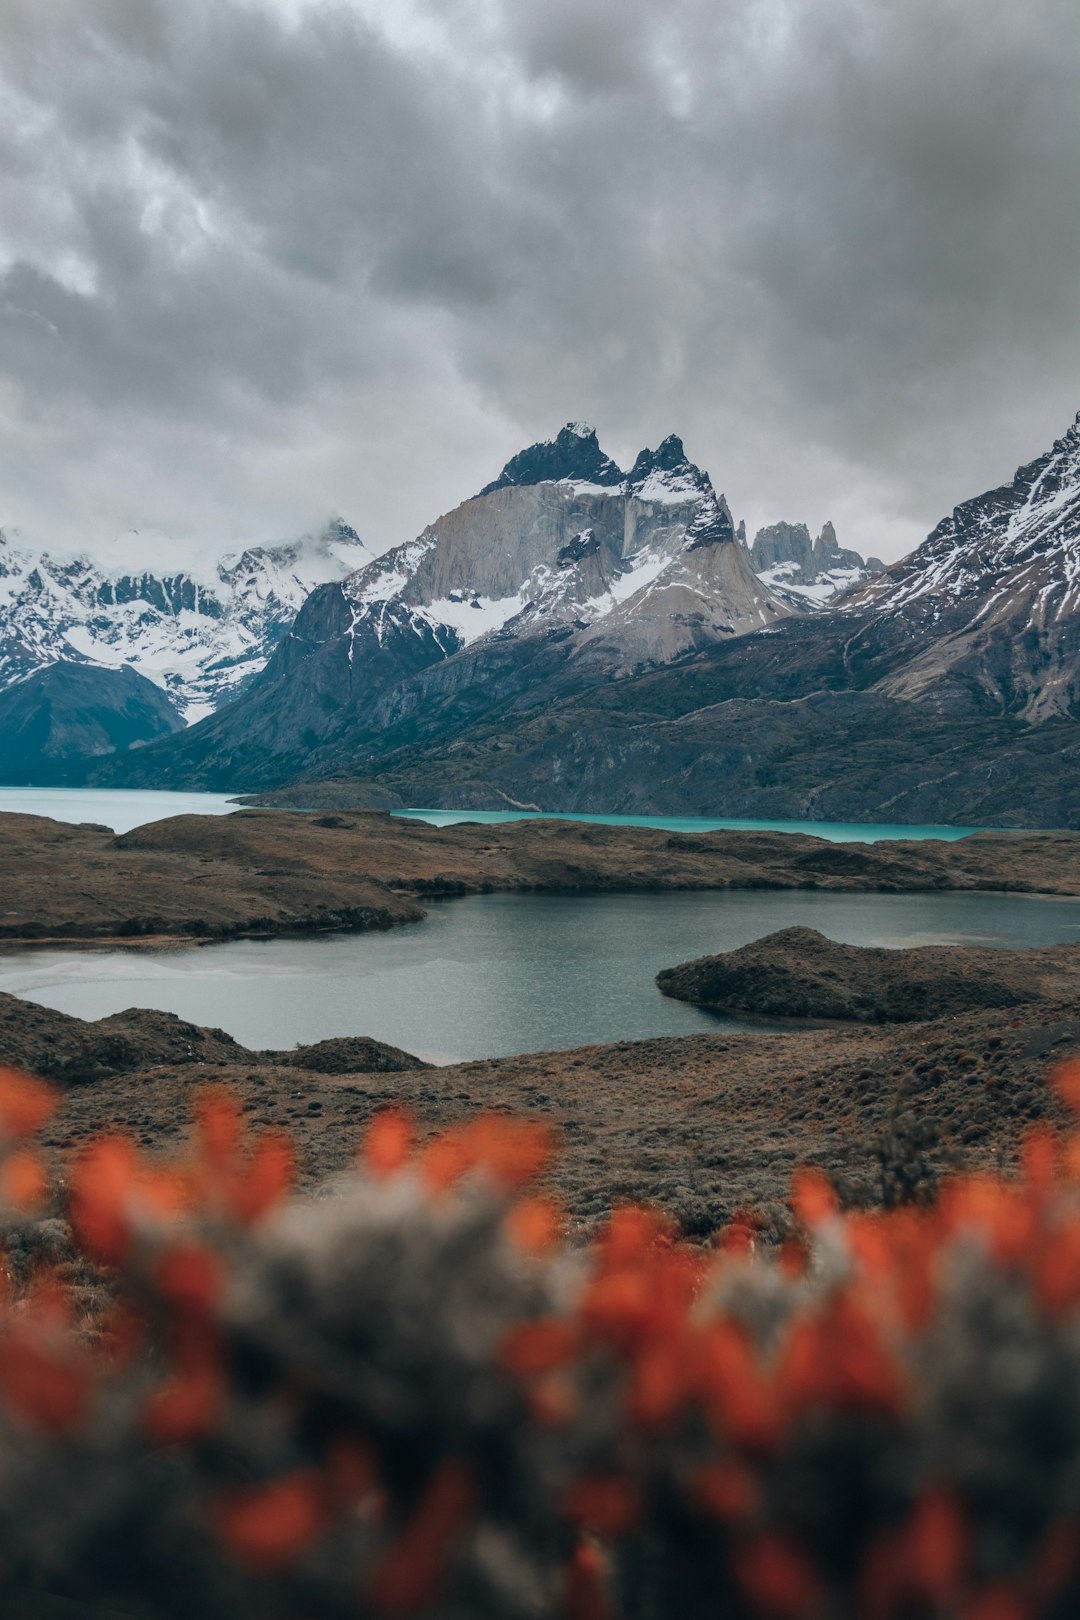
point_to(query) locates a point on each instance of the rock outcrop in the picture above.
(76, 1051)
(799, 973)
(804, 572)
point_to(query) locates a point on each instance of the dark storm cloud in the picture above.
(265, 260)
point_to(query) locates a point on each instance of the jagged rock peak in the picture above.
(665, 458)
(574, 453)
(713, 525)
(667, 474)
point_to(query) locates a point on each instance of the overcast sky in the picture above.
(264, 260)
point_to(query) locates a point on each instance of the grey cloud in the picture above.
(264, 264)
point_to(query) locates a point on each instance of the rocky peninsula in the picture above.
(799, 973)
(260, 873)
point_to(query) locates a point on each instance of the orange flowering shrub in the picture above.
(409, 1395)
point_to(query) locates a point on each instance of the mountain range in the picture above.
(580, 636)
(199, 635)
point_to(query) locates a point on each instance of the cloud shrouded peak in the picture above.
(265, 261)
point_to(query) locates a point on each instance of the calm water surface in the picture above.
(121, 809)
(497, 974)
(118, 808)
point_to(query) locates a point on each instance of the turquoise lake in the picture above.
(121, 810)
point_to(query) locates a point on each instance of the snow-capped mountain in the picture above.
(805, 573)
(564, 563)
(644, 563)
(987, 609)
(198, 636)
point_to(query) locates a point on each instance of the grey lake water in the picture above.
(491, 974)
(496, 974)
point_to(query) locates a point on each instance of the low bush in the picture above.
(410, 1395)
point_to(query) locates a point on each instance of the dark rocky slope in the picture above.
(74, 1051)
(799, 973)
(57, 722)
(944, 691)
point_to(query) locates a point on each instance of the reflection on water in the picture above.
(496, 974)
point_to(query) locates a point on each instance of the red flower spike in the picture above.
(267, 1178)
(388, 1142)
(47, 1388)
(24, 1181)
(1040, 1159)
(411, 1573)
(586, 1594)
(102, 1182)
(1055, 1269)
(937, 1546)
(727, 1490)
(540, 1347)
(629, 1233)
(553, 1401)
(658, 1384)
(190, 1278)
(794, 1258)
(737, 1239)
(604, 1505)
(812, 1197)
(26, 1104)
(534, 1225)
(266, 1527)
(1065, 1080)
(446, 1160)
(837, 1359)
(734, 1392)
(619, 1307)
(777, 1577)
(186, 1408)
(219, 1120)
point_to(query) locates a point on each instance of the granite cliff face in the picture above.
(941, 691)
(808, 573)
(605, 646)
(564, 566)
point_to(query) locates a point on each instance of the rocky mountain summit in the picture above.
(944, 690)
(808, 573)
(199, 636)
(569, 644)
(564, 538)
(563, 561)
(988, 608)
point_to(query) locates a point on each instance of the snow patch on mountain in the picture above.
(199, 635)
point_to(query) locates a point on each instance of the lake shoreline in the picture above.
(264, 874)
(702, 1126)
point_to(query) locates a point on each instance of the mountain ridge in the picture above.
(198, 634)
